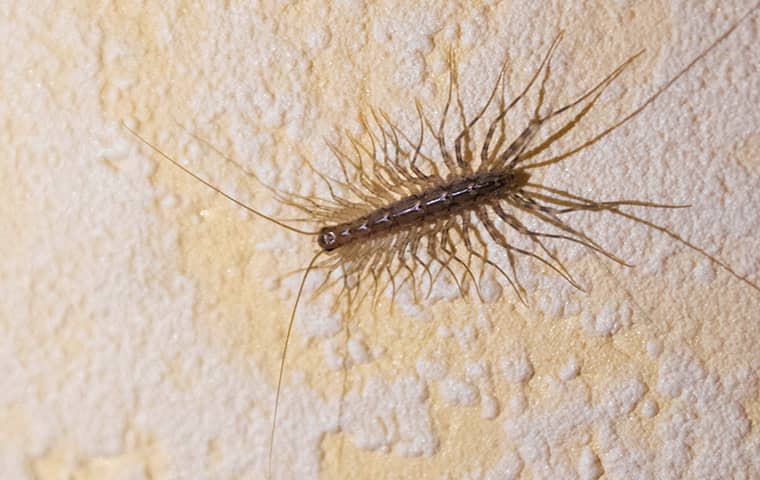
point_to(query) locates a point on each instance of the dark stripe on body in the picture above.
(456, 196)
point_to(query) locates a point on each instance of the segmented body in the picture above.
(440, 202)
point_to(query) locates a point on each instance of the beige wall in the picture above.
(142, 316)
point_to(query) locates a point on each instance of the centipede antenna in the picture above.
(282, 360)
(214, 188)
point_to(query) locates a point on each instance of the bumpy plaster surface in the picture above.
(142, 317)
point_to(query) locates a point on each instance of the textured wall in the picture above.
(142, 316)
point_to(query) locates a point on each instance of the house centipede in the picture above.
(403, 214)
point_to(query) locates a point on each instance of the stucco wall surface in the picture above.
(142, 316)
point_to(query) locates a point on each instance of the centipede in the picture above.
(405, 210)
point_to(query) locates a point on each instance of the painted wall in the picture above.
(142, 316)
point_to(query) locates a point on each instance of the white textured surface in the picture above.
(141, 317)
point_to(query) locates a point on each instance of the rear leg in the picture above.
(485, 163)
(464, 135)
(534, 237)
(615, 210)
(501, 240)
(547, 215)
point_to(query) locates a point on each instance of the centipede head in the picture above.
(328, 239)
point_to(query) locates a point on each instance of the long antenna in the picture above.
(282, 361)
(215, 188)
(662, 89)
